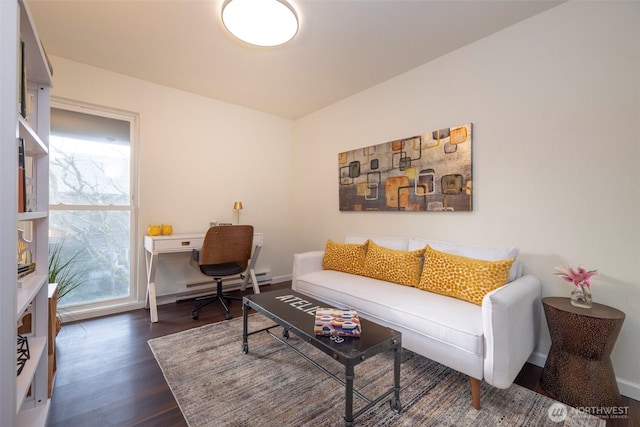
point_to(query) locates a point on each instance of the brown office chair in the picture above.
(225, 252)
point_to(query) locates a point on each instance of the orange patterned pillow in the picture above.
(460, 277)
(391, 265)
(345, 257)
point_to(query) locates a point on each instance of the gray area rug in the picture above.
(215, 384)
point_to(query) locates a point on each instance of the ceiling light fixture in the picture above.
(260, 22)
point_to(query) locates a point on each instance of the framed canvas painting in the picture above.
(427, 172)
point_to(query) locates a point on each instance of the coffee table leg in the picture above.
(245, 328)
(348, 395)
(395, 401)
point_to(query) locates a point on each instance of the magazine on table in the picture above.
(337, 322)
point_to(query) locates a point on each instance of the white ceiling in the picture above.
(342, 48)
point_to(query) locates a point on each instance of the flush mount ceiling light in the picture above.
(260, 22)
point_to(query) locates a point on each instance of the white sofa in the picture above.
(490, 342)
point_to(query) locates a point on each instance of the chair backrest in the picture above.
(227, 244)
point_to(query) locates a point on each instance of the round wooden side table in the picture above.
(578, 370)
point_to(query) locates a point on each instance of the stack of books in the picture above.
(337, 322)
(26, 269)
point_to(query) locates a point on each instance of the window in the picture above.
(91, 204)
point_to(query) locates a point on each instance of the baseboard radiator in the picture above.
(194, 290)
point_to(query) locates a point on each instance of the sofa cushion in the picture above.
(346, 257)
(465, 278)
(435, 317)
(399, 243)
(486, 253)
(402, 267)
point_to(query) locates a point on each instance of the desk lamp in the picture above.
(237, 206)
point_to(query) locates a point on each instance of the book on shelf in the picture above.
(26, 269)
(22, 185)
(22, 104)
(337, 322)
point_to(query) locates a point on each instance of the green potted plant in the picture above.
(62, 270)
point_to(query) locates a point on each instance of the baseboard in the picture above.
(280, 279)
(627, 388)
(537, 359)
(73, 314)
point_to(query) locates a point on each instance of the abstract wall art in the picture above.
(427, 172)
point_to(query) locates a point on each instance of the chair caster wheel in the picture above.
(194, 316)
(285, 334)
(228, 316)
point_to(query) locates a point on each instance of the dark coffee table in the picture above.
(296, 313)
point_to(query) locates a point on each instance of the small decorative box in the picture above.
(337, 322)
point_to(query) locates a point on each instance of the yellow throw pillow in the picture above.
(391, 265)
(345, 257)
(460, 277)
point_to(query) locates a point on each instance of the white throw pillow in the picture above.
(485, 253)
(397, 243)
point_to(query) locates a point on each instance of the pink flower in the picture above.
(578, 277)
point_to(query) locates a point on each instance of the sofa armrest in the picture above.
(306, 262)
(511, 323)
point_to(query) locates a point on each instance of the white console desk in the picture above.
(156, 245)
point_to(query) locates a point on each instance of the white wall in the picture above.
(197, 156)
(555, 103)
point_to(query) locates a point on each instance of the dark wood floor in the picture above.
(107, 375)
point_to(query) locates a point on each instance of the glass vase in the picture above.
(581, 297)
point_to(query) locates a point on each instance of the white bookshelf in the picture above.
(25, 397)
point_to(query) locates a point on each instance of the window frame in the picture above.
(133, 301)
